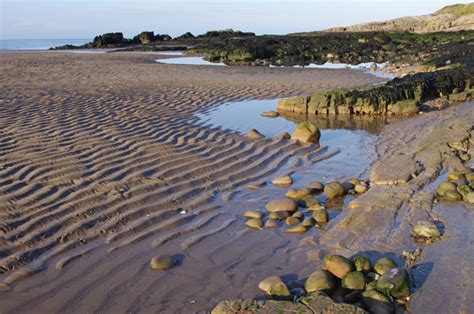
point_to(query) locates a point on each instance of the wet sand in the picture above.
(101, 153)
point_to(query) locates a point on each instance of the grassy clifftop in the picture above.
(457, 9)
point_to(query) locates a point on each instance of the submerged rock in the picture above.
(320, 280)
(306, 132)
(270, 114)
(384, 264)
(395, 283)
(354, 281)
(338, 265)
(274, 287)
(282, 205)
(282, 180)
(162, 262)
(426, 229)
(334, 190)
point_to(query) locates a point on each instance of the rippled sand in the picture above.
(99, 155)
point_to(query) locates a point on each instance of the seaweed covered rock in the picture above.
(274, 287)
(338, 265)
(395, 283)
(320, 280)
(400, 96)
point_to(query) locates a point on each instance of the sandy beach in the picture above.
(99, 152)
(103, 166)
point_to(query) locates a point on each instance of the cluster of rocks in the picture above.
(460, 183)
(313, 213)
(399, 96)
(305, 132)
(379, 288)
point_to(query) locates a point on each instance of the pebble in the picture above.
(162, 262)
(285, 180)
(253, 214)
(254, 223)
(282, 204)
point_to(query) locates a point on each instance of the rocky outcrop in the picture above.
(449, 19)
(313, 303)
(144, 38)
(109, 39)
(400, 96)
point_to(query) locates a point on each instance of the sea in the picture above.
(38, 44)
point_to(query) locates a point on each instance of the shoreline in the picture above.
(145, 112)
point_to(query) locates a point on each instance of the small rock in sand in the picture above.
(254, 134)
(334, 189)
(426, 229)
(270, 114)
(384, 264)
(320, 280)
(470, 197)
(298, 215)
(162, 262)
(297, 229)
(282, 205)
(320, 216)
(253, 214)
(256, 186)
(298, 194)
(354, 281)
(278, 215)
(316, 187)
(308, 222)
(444, 187)
(254, 223)
(274, 287)
(338, 265)
(285, 180)
(360, 188)
(292, 221)
(452, 196)
(271, 223)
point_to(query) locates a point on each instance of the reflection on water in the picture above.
(245, 115)
(188, 61)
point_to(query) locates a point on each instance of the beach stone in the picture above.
(376, 302)
(297, 229)
(308, 222)
(282, 205)
(452, 196)
(292, 221)
(462, 170)
(320, 216)
(320, 280)
(162, 262)
(306, 132)
(470, 198)
(270, 114)
(453, 176)
(309, 201)
(384, 264)
(395, 283)
(354, 181)
(272, 223)
(278, 215)
(333, 190)
(338, 265)
(315, 207)
(444, 187)
(354, 281)
(360, 188)
(274, 287)
(298, 194)
(254, 134)
(282, 180)
(298, 215)
(426, 229)
(464, 190)
(256, 186)
(370, 285)
(316, 186)
(253, 214)
(254, 223)
(362, 263)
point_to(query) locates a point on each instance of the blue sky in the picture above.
(47, 19)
